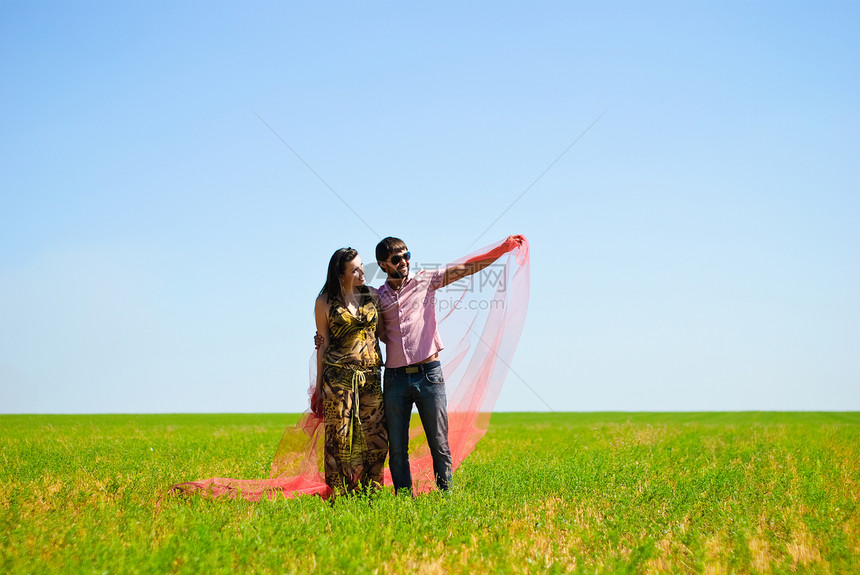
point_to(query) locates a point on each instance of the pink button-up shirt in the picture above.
(409, 318)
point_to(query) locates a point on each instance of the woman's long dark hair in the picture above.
(336, 266)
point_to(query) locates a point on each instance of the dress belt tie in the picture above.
(358, 381)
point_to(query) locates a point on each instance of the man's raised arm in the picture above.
(455, 272)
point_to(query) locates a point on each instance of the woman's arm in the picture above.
(321, 317)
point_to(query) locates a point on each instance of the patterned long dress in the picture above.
(356, 442)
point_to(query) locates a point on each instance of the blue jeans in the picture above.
(426, 390)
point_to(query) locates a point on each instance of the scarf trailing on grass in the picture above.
(480, 318)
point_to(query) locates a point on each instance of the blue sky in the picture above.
(696, 249)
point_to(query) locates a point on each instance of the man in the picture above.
(413, 373)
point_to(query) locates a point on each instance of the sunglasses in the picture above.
(396, 259)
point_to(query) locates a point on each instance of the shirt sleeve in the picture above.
(436, 279)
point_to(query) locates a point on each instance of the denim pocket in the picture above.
(435, 376)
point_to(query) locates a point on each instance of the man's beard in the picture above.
(396, 274)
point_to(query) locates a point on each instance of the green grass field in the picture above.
(560, 492)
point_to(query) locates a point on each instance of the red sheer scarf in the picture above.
(480, 318)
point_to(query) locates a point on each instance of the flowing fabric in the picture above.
(480, 318)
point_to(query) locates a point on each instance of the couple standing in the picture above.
(361, 418)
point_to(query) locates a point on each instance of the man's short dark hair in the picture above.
(388, 246)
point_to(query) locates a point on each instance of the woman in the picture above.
(348, 387)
